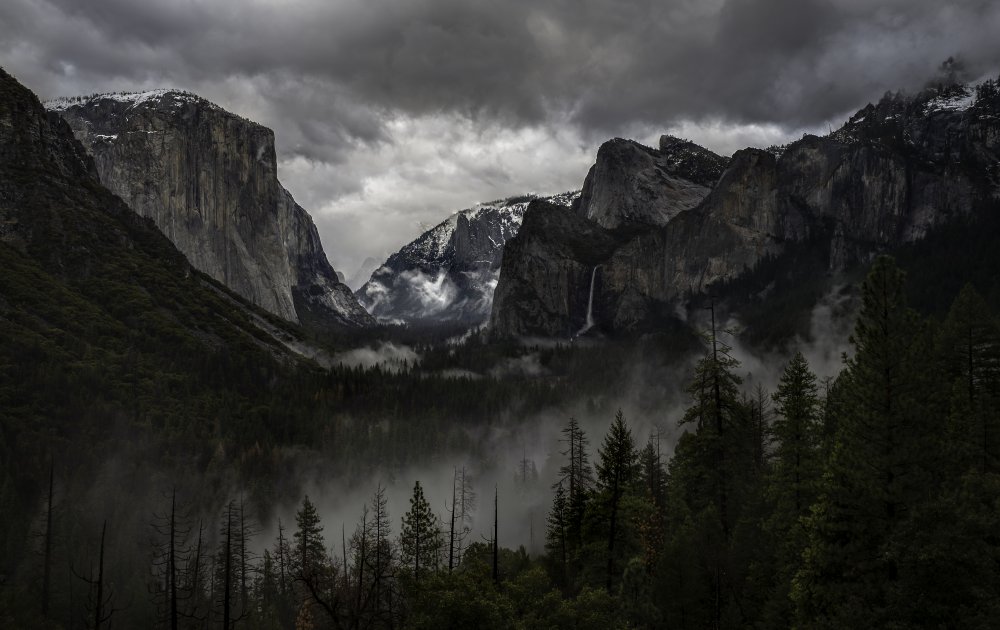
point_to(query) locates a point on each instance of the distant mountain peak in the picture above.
(891, 115)
(448, 273)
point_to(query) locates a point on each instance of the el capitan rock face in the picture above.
(85, 275)
(448, 274)
(208, 179)
(891, 173)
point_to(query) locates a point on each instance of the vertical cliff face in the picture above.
(894, 171)
(557, 251)
(208, 179)
(85, 275)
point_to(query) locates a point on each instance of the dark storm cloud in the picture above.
(610, 64)
(388, 114)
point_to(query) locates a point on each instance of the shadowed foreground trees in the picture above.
(870, 501)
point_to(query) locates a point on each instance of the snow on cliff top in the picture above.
(956, 101)
(431, 245)
(134, 99)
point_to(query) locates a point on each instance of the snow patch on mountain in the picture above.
(959, 100)
(133, 99)
(449, 273)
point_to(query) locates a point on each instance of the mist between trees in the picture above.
(719, 490)
(518, 458)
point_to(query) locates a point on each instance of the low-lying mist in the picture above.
(516, 454)
(653, 400)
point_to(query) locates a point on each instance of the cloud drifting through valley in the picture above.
(390, 114)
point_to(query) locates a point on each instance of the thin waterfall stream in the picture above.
(590, 305)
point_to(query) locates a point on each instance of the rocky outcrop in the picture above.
(208, 179)
(449, 273)
(891, 173)
(691, 161)
(633, 184)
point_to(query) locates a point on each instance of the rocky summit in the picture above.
(208, 179)
(634, 184)
(448, 274)
(652, 230)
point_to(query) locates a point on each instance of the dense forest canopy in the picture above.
(816, 503)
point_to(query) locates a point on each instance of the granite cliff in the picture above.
(642, 245)
(88, 283)
(208, 179)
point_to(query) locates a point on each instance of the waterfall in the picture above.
(590, 304)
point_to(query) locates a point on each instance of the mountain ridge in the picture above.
(892, 172)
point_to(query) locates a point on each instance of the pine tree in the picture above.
(709, 480)
(420, 540)
(796, 434)
(851, 571)
(793, 480)
(577, 478)
(555, 535)
(652, 473)
(654, 482)
(576, 473)
(951, 528)
(969, 348)
(719, 417)
(526, 476)
(760, 414)
(310, 549)
(617, 471)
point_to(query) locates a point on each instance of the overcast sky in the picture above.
(391, 114)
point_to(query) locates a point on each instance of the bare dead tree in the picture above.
(496, 521)
(451, 529)
(171, 533)
(466, 504)
(194, 569)
(47, 570)
(101, 602)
